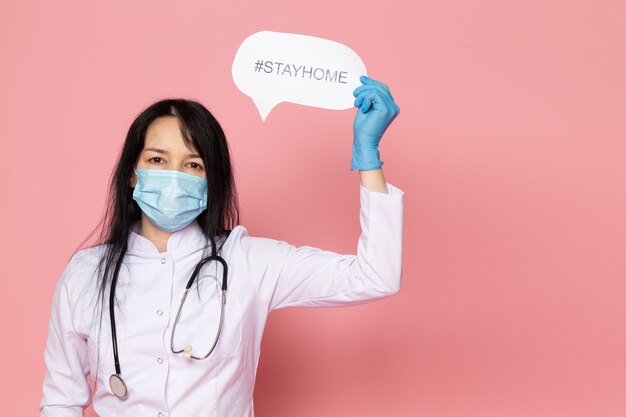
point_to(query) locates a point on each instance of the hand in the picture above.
(376, 110)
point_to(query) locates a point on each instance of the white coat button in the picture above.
(163, 260)
(160, 414)
(160, 360)
(159, 313)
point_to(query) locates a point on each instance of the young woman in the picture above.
(167, 312)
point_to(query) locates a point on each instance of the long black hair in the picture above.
(198, 128)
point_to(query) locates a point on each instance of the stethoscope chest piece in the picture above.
(118, 386)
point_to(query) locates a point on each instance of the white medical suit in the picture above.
(263, 275)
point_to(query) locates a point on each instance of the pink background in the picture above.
(510, 148)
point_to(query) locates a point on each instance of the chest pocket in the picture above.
(199, 320)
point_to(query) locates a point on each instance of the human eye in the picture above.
(196, 165)
(155, 158)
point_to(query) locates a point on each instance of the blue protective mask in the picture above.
(170, 199)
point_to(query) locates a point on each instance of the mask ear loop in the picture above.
(137, 177)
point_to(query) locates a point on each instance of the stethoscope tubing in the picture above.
(112, 310)
(187, 350)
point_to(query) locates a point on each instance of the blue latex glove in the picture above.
(370, 122)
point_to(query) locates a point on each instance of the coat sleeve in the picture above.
(66, 387)
(310, 277)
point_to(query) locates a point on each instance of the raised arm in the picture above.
(309, 277)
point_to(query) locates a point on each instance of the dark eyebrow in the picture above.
(162, 151)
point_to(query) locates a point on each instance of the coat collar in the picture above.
(183, 241)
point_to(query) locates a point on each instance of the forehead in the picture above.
(164, 132)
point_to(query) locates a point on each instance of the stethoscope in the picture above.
(117, 384)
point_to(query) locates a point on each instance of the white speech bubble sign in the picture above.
(275, 67)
